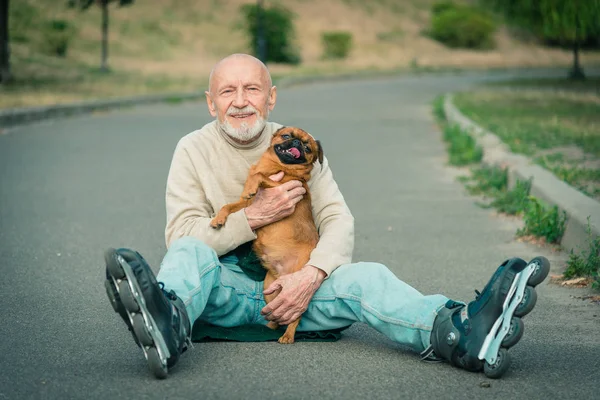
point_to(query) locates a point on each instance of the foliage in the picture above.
(543, 221)
(336, 44)
(515, 200)
(438, 108)
(462, 26)
(587, 263)
(461, 146)
(278, 32)
(56, 36)
(490, 181)
(563, 21)
(85, 4)
(567, 20)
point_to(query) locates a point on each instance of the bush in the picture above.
(462, 148)
(56, 35)
(514, 201)
(278, 32)
(442, 6)
(464, 27)
(336, 44)
(542, 221)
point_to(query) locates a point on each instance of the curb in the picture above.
(544, 184)
(17, 116)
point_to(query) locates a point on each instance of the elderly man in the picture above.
(201, 276)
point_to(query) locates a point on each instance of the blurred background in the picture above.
(67, 50)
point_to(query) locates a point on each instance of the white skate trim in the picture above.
(159, 342)
(493, 340)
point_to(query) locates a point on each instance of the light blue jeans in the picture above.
(218, 292)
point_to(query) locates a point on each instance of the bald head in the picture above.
(240, 95)
(235, 63)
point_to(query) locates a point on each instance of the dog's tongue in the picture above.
(295, 152)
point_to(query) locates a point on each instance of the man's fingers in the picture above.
(277, 177)
(273, 287)
(272, 306)
(297, 192)
(287, 186)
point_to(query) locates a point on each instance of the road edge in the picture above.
(545, 185)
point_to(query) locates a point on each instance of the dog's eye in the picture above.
(307, 149)
(286, 137)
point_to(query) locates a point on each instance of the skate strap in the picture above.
(429, 356)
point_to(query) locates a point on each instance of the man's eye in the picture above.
(286, 137)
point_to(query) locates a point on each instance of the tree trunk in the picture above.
(4, 43)
(260, 36)
(576, 72)
(104, 61)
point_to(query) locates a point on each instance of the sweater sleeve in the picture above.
(189, 212)
(334, 221)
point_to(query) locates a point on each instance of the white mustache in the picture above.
(246, 110)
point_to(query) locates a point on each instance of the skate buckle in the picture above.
(493, 340)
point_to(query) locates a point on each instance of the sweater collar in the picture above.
(264, 136)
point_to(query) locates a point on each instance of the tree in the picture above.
(569, 22)
(84, 5)
(4, 43)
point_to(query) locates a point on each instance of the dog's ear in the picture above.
(320, 152)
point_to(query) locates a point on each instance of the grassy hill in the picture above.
(170, 45)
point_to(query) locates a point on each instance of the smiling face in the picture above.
(240, 96)
(295, 146)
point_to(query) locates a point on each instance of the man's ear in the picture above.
(320, 152)
(272, 98)
(211, 104)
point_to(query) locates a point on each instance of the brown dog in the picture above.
(283, 246)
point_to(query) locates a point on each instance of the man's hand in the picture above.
(273, 204)
(297, 289)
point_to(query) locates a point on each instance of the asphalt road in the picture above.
(71, 188)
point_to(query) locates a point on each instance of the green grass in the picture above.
(438, 108)
(586, 180)
(462, 148)
(543, 221)
(587, 262)
(488, 181)
(530, 121)
(561, 132)
(513, 201)
(591, 84)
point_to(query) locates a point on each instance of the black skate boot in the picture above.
(477, 336)
(156, 318)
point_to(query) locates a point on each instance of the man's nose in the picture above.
(240, 99)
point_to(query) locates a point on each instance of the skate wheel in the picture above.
(141, 331)
(499, 368)
(515, 332)
(112, 294)
(541, 271)
(112, 265)
(127, 297)
(156, 366)
(528, 302)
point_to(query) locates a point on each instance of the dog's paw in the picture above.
(217, 222)
(286, 339)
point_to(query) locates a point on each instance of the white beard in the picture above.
(244, 133)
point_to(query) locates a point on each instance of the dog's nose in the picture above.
(296, 142)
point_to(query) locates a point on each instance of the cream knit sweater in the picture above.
(208, 170)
